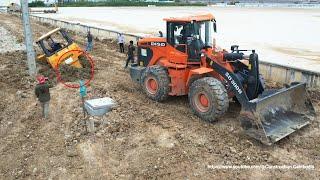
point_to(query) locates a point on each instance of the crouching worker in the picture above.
(43, 94)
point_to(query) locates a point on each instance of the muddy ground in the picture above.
(139, 139)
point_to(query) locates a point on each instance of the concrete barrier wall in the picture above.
(284, 74)
(97, 32)
(274, 72)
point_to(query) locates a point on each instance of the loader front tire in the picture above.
(208, 98)
(155, 83)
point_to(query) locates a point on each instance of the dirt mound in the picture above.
(14, 70)
(72, 74)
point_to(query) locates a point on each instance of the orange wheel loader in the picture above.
(186, 62)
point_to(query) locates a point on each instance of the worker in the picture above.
(184, 34)
(56, 46)
(121, 42)
(53, 45)
(89, 42)
(49, 45)
(160, 34)
(43, 94)
(130, 54)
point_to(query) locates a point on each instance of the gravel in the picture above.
(8, 43)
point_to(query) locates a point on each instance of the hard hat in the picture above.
(41, 79)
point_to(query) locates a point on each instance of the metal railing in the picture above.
(273, 72)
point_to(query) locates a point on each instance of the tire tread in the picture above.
(161, 74)
(219, 93)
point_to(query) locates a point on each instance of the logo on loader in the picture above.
(234, 84)
(160, 44)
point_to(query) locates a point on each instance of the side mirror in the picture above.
(215, 26)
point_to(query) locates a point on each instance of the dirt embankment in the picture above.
(139, 139)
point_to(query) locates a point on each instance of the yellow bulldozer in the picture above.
(59, 48)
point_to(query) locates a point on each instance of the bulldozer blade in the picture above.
(274, 116)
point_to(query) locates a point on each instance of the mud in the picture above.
(139, 139)
(70, 74)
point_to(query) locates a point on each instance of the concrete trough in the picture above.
(99, 107)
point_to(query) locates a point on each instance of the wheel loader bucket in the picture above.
(275, 116)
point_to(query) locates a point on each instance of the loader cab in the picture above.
(191, 34)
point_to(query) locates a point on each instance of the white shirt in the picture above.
(120, 39)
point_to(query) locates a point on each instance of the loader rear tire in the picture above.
(155, 83)
(208, 98)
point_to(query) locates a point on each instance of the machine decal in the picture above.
(68, 59)
(159, 44)
(143, 52)
(234, 84)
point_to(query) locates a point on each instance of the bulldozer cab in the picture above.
(54, 41)
(191, 34)
(55, 44)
